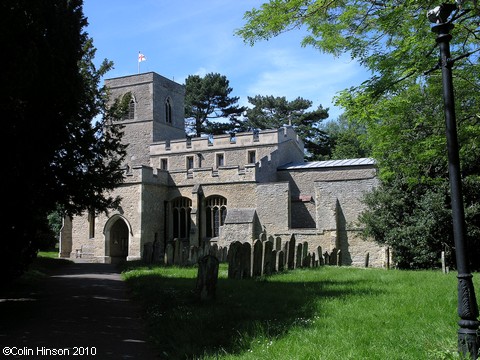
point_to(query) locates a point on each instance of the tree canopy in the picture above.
(208, 98)
(269, 112)
(58, 155)
(400, 107)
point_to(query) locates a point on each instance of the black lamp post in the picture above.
(468, 334)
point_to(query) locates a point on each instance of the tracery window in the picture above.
(181, 209)
(216, 212)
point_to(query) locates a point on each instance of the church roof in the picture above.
(328, 164)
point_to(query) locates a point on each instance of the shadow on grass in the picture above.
(183, 328)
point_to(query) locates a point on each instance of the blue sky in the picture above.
(187, 37)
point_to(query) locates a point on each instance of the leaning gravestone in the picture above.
(291, 253)
(207, 278)
(235, 260)
(298, 262)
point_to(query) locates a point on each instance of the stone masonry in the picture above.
(218, 190)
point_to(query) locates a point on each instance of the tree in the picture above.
(271, 112)
(209, 98)
(400, 107)
(346, 139)
(58, 155)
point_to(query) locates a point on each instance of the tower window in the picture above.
(130, 114)
(220, 160)
(168, 111)
(189, 162)
(252, 157)
(164, 164)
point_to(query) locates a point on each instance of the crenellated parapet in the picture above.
(230, 141)
(145, 175)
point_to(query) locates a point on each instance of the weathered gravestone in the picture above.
(169, 254)
(246, 260)
(257, 258)
(291, 253)
(207, 277)
(281, 261)
(268, 262)
(298, 262)
(147, 252)
(157, 256)
(235, 260)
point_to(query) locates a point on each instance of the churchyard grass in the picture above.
(320, 313)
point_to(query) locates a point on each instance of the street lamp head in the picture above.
(441, 13)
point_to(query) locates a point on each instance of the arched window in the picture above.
(181, 209)
(168, 111)
(130, 114)
(216, 212)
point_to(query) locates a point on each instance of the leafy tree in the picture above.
(58, 156)
(399, 106)
(208, 98)
(271, 112)
(347, 139)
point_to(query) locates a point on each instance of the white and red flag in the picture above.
(141, 57)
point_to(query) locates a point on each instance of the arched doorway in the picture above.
(118, 240)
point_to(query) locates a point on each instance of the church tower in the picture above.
(156, 112)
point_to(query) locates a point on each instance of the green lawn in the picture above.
(323, 313)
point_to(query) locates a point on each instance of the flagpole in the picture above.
(138, 62)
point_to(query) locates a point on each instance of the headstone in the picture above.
(281, 261)
(147, 252)
(234, 260)
(333, 257)
(326, 258)
(268, 258)
(169, 254)
(246, 260)
(307, 261)
(271, 239)
(320, 256)
(278, 243)
(291, 253)
(367, 259)
(207, 277)
(157, 252)
(193, 258)
(298, 262)
(263, 236)
(274, 262)
(177, 252)
(257, 258)
(339, 258)
(314, 260)
(443, 262)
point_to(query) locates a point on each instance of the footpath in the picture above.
(82, 311)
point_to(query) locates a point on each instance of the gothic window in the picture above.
(130, 114)
(168, 111)
(181, 209)
(164, 164)
(216, 212)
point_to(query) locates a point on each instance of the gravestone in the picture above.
(157, 252)
(169, 254)
(267, 258)
(147, 252)
(177, 252)
(320, 256)
(367, 259)
(278, 243)
(291, 253)
(246, 260)
(281, 261)
(207, 278)
(326, 258)
(235, 260)
(194, 255)
(298, 262)
(257, 258)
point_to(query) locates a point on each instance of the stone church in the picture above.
(216, 190)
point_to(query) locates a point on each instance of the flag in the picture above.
(141, 57)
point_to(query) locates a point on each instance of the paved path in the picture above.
(83, 308)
